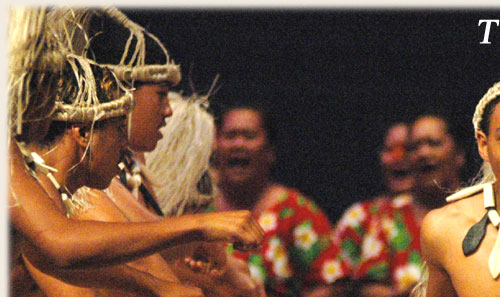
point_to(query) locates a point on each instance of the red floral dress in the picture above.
(379, 240)
(296, 250)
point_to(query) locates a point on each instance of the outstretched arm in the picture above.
(72, 243)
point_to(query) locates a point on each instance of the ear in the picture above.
(482, 145)
(81, 134)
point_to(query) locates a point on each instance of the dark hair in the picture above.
(106, 86)
(454, 125)
(261, 108)
(484, 125)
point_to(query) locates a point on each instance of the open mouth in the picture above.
(399, 173)
(426, 168)
(238, 161)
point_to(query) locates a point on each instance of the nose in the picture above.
(239, 141)
(167, 111)
(166, 108)
(422, 152)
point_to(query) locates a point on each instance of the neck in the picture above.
(434, 196)
(63, 158)
(496, 193)
(243, 197)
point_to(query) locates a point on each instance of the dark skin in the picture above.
(56, 240)
(450, 272)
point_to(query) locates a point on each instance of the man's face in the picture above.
(434, 155)
(107, 148)
(394, 160)
(242, 147)
(148, 116)
(493, 142)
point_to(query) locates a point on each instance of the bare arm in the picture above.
(67, 242)
(123, 278)
(433, 243)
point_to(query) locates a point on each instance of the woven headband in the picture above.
(492, 93)
(135, 68)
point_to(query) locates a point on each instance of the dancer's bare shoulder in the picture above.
(444, 228)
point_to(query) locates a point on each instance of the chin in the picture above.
(143, 147)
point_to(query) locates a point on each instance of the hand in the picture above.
(209, 258)
(238, 275)
(237, 227)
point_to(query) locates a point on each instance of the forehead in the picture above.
(242, 118)
(150, 86)
(397, 134)
(495, 118)
(428, 127)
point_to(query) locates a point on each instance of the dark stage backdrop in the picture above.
(335, 79)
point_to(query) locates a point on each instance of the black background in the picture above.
(335, 79)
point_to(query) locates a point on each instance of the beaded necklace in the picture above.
(35, 163)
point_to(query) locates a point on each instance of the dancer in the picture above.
(463, 261)
(50, 238)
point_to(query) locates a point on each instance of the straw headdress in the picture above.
(46, 56)
(131, 64)
(34, 60)
(71, 26)
(490, 95)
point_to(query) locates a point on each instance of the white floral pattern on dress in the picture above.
(304, 236)
(354, 216)
(389, 228)
(268, 221)
(281, 267)
(407, 276)
(371, 246)
(331, 271)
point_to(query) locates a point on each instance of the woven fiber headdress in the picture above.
(68, 27)
(35, 65)
(94, 98)
(129, 62)
(181, 158)
(492, 93)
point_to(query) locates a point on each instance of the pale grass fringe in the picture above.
(420, 288)
(182, 156)
(29, 51)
